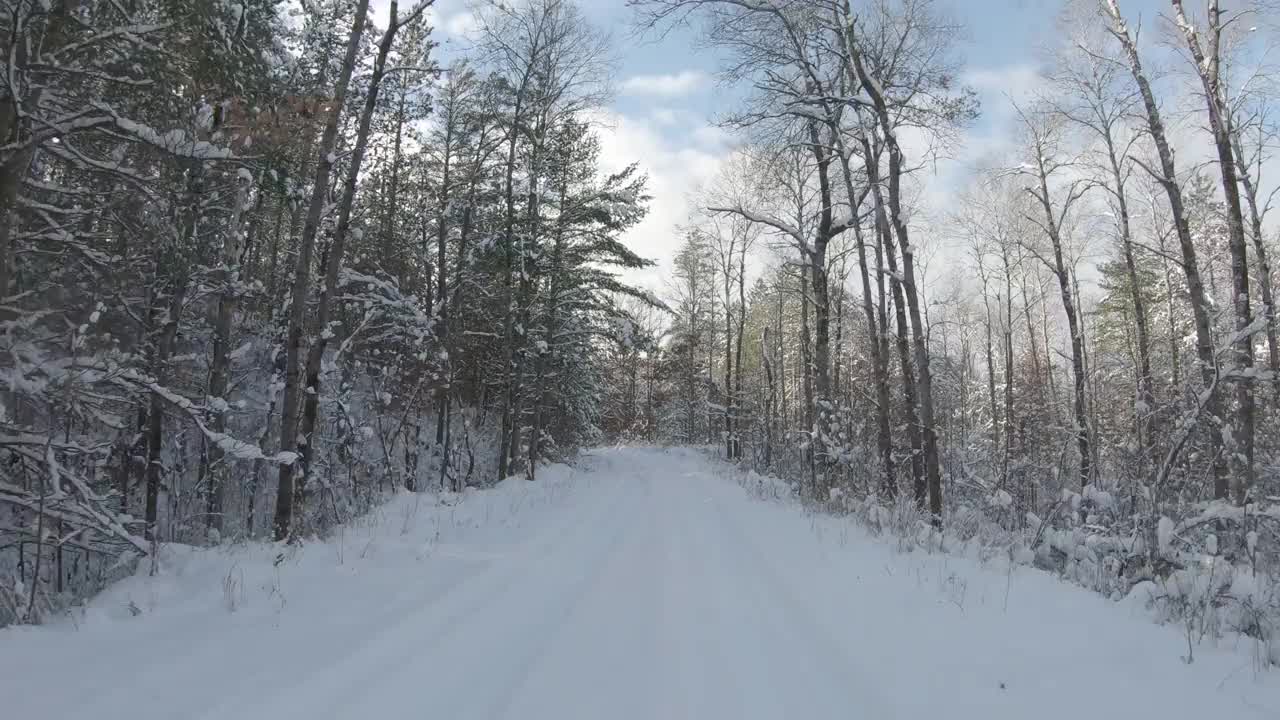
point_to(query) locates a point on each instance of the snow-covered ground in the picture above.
(644, 584)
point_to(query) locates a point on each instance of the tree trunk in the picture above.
(989, 351)
(290, 404)
(879, 361)
(1167, 177)
(540, 394)
(220, 365)
(886, 249)
(806, 357)
(527, 273)
(1053, 229)
(782, 357)
(1240, 456)
(165, 340)
(442, 282)
(1260, 254)
(1007, 455)
(822, 155)
(742, 329)
(933, 470)
(771, 400)
(1146, 395)
(727, 267)
(390, 255)
(510, 351)
(333, 266)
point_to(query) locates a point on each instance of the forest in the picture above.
(264, 264)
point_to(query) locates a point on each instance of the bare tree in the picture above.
(1093, 100)
(1167, 176)
(1208, 64)
(923, 42)
(1048, 159)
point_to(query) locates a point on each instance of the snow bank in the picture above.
(645, 586)
(920, 633)
(1208, 607)
(264, 603)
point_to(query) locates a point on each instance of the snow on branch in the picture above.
(233, 447)
(176, 142)
(778, 224)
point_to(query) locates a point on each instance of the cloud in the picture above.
(667, 116)
(989, 140)
(459, 24)
(1018, 80)
(676, 163)
(668, 85)
(936, 189)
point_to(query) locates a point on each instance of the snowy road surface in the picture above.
(646, 584)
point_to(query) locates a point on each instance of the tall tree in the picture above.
(1208, 64)
(1167, 176)
(1047, 161)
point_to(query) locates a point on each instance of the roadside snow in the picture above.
(647, 585)
(233, 622)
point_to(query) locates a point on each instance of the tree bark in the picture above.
(806, 358)
(989, 352)
(887, 250)
(929, 434)
(742, 329)
(220, 365)
(771, 400)
(552, 323)
(1145, 410)
(290, 404)
(1240, 456)
(506, 444)
(879, 360)
(726, 267)
(1062, 272)
(1260, 254)
(333, 265)
(1168, 179)
(1007, 455)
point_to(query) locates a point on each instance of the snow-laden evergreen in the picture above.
(265, 262)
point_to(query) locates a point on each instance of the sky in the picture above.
(667, 98)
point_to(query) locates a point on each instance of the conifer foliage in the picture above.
(262, 263)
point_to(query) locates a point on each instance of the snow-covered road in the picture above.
(646, 585)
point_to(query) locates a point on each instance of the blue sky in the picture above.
(662, 115)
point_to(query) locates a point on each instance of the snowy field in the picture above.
(643, 584)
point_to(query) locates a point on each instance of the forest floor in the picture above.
(644, 583)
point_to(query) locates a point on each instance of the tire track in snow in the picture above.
(786, 614)
(537, 637)
(383, 644)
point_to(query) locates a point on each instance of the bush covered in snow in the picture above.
(1181, 572)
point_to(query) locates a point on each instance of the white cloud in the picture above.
(936, 189)
(668, 85)
(1018, 80)
(667, 116)
(988, 141)
(711, 135)
(676, 166)
(459, 24)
